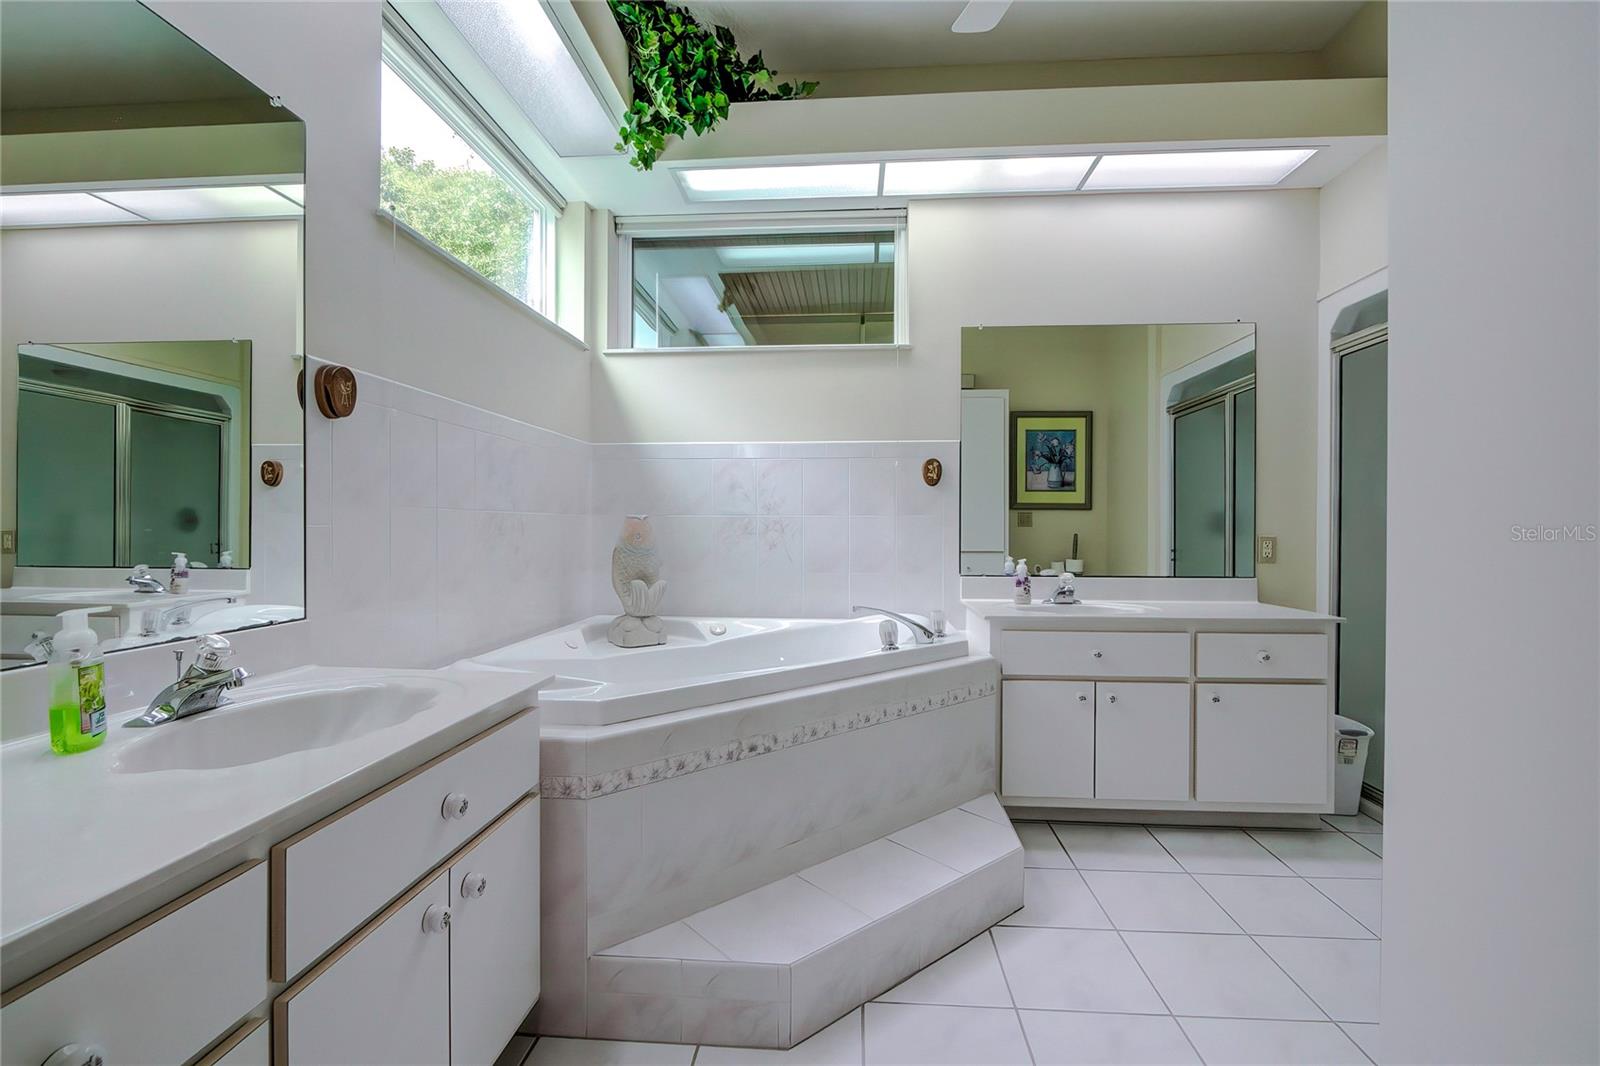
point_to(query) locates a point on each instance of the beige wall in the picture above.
(1182, 257)
(1180, 345)
(1354, 223)
(1100, 369)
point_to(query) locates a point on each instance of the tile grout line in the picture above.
(1015, 1011)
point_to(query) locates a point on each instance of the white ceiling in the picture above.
(809, 36)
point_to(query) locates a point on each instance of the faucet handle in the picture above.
(212, 652)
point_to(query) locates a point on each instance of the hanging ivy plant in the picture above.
(685, 77)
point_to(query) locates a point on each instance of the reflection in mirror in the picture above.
(1123, 451)
(151, 242)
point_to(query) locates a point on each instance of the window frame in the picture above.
(620, 314)
(410, 60)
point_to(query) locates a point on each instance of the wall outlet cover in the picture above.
(8, 542)
(1266, 549)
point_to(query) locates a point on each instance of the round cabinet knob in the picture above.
(1112, 698)
(1263, 656)
(1097, 654)
(77, 1055)
(455, 806)
(473, 886)
(436, 919)
(1082, 698)
(1215, 698)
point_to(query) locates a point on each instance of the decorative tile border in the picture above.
(603, 784)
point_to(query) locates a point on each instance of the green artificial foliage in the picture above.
(685, 77)
(472, 214)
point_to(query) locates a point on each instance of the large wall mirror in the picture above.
(151, 241)
(1110, 451)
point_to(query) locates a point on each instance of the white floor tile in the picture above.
(1256, 1043)
(1207, 975)
(1114, 847)
(1320, 854)
(1070, 1038)
(1073, 969)
(778, 922)
(1341, 975)
(1220, 851)
(1361, 899)
(1353, 823)
(1281, 906)
(879, 878)
(969, 976)
(675, 941)
(1365, 1034)
(960, 840)
(1163, 903)
(837, 1045)
(924, 1036)
(1040, 846)
(1373, 842)
(1058, 898)
(560, 1051)
(987, 806)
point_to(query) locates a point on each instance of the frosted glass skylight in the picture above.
(934, 177)
(1196, 170)
(781, 183)
(187, 204)
(59, 209)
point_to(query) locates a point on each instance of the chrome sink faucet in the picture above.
(157, 621)
(143, 581)
(201, 688)
(1066, 592)
(921, 632)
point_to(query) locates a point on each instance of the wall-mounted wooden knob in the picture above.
(932, 471)
(271, 473)
(335, 388)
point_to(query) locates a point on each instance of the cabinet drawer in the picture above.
(1280, 656)
(1041, 653)
(162, 990)
(1047, 739)
(1263, 744)
(334, 875)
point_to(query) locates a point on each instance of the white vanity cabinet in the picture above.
(1193, 710)
(161, 990)
(442, 975)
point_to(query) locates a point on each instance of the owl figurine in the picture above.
(636, 578)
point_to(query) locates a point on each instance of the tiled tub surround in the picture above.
(680, 818)
(437, 529)
(787, 530)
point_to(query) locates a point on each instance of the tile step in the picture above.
(773, 966)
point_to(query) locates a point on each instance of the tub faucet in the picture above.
(201, 688)
(921, 633)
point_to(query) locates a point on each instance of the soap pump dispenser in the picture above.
(180, 573)
(77, 678)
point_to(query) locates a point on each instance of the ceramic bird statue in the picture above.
(636, 578)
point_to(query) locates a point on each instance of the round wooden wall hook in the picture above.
(932, 471)
(335, 388)
(271, 473)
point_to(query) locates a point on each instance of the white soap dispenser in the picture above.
(180, 574)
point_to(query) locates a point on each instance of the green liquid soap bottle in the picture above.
(77, 675)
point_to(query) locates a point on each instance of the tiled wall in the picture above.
(437, 529)
(277, 521)
(766, 529)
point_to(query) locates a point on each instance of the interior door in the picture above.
(1200, 492)
(1363, 527)
(494, 937)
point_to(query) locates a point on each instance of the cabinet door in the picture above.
(1141, 732)
(494, 937)
(1047, 739)
(382, 998)
(1262, 743)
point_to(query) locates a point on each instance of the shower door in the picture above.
(1214, 485)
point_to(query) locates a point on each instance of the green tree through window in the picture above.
(472, 214)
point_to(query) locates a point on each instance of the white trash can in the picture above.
(1350, 742)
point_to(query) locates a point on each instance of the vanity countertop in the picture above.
(1134, 613)
(85, 833)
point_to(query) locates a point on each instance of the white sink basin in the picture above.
(256, 726)
(1088, 607)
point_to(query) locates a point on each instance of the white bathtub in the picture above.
(705, 661)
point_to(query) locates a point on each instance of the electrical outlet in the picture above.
(1266, 549)
(8, 542)
(1024, 519)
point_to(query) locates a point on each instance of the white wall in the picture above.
(1491, 893)
(1029, 261)
(1354, 228)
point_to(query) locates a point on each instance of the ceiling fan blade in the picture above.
(980, 16)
